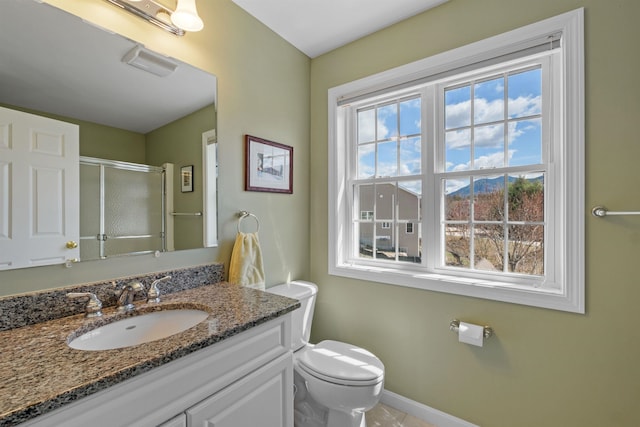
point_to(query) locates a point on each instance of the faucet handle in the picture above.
(126, 294)
(153, 295)
(93, 308)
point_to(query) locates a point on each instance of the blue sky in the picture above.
(487, 127)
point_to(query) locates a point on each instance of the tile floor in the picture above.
(386, 416)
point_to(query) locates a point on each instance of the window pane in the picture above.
(410, 160)
(525, 142)
(409, 244)
(457, 107)
(365, 199)
(366, 160)
(457, 242)
(453, 187)
(365, 232)
(488, 147)
(526, 249)
(409, 199)
(387, 122)
(387, 159)
(525, 93)
(488, 101)
(458, 150)
(366, 125)
(410, 117)
(385, 201)
(488, 203)
(457, 207)
(526, 198)
(385, 242)
(488, 247)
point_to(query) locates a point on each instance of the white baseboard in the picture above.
(423, 412)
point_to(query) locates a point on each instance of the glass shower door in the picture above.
(133, 222)
(122, 208)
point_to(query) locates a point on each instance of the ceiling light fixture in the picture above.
(184, 18)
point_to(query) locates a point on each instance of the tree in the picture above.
(519, 218)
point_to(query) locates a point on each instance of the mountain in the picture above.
(488, 185)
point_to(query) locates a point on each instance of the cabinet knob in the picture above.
(71, 244)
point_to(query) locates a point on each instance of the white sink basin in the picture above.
(139, 329)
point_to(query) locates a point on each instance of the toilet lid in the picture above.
(341, 363)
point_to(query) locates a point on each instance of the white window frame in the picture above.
(565, 291)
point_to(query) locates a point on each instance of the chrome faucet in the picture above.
(154, 293)
(93, 308)
(126, 295)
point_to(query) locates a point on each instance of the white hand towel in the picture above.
(246, 267)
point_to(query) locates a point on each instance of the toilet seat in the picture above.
(341, 363)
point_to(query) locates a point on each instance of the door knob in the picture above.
(71, 244)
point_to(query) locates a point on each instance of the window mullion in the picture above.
(352, 201)
(431, 238)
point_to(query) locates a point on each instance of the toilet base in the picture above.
(310, 413)
(307, 414)
(342, 419)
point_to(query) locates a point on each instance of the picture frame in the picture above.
(268, 166)
(186, 179)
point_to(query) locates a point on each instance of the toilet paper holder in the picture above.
(455, 327)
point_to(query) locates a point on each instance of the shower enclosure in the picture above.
(122, 208)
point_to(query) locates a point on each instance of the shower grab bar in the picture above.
(186, 213)
(601, 211)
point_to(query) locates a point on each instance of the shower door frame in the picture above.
(134, 167)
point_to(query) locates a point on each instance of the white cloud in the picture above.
(366, 125)
(495, 160)
(458, 115)
(458, 139)
(485, 111)
(489, 136)
(525, 106)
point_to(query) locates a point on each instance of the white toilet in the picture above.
(335, 382)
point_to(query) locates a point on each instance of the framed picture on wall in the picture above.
(268, 166)
(186, 178)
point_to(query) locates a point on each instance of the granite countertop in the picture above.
(39, 372)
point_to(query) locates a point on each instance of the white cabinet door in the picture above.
(263, 398)
(39, 190)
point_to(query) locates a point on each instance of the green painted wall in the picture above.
(543, 367)
(263, 90)
(107, 142)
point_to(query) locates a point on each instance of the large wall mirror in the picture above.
(147, 126)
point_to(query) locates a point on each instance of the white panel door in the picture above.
(263, 398)
(39, 190)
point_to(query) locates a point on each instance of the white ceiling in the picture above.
(318, 26)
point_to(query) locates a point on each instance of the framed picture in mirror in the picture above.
(186, 178)
(268, 166)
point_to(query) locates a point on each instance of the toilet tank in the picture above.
(305, 292)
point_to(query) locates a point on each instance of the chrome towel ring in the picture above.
(245, 214)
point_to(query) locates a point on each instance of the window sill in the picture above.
(547, 297)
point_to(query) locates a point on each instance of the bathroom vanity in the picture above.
(232, 369)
